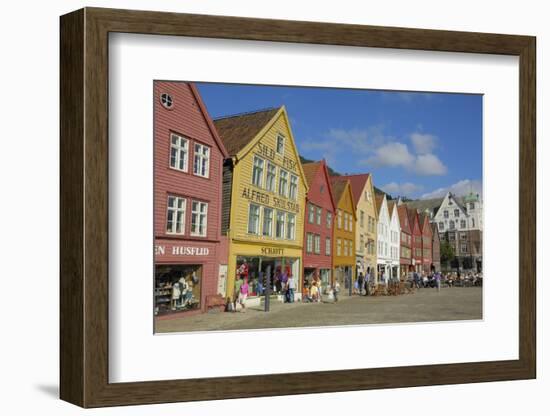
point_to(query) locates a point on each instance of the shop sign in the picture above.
(182, 251)
(272, 251)
(265, 199)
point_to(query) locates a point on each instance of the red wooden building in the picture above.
(188, 159)
(319, 223)
(416, 234)
(427, 235)
(405, 248)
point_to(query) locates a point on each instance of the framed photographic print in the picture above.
(255, 207)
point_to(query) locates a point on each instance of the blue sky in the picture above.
(415, 144)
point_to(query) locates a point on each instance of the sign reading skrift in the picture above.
(272, 251)
(182, 251)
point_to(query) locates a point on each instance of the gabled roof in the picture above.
(208, 119)
(390, 207)
(402, 211)
(379, 201)
(435, 231)
(338, 189)
(311, 170)
(413, 215)
(357, 183)
(423, 220)
(238, 130)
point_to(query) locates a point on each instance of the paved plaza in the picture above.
(424, 305)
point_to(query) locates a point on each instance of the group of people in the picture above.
(423, 280)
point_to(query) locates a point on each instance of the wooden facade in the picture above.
(405, 239)
(427, 235)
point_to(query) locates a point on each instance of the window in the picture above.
(283, 183)
(253, 219)
(338, 247)
(199, 214)
(322, 189)
(280, 225)
(446, 214)
(463, 248)
(309, 243)
(462, 223)
(362, 219)
(441, 226)
(178, 152)
(166, 100)
(270, 177)
(345, 247)
(327, 246)
(473, 223)
(451, 225)
(311, 213)
(267, 228)
(457, 213)
(175, 223)
(452, 236)
(472, 205)
(329, 219)
(280, 144)
(290, 226)
(293, 190)
(345, 221)
(258, 172)
(372, 224)
(317, 241)
(339, 218)
(361, 243)
(463, 236)
(319, 215)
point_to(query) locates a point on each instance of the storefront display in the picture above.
(258, 271)
(177, 288)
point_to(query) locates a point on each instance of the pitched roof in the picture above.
(357, 183)
(390, 206)
(379, 200)
(403, 214)
(422, 218)
(238, 130)
(310, 170)
(412, 216)
(338, 188)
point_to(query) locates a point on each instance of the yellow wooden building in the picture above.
(264, 190)
(344, 235)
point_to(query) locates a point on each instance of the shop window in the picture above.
(201, 166)
(258, 172)
(175, 223)
(283, 183)
(280, 225)
(267, 229)
(280, 144)
(253, 219)
(177, 288)
(199, 217)
(179, 148)
(270, 177)
(293, 190)
(290, 226)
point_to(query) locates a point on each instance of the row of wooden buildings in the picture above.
(233, 200)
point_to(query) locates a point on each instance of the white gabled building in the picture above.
(383, 252)
(395, 233)
(454, 216)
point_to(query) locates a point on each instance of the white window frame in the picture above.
(270, 234)
(328, 246)
(283, 174)
(259, 166)
(280, 136)
(338, 247)
(293, 187)
(317, 244)
(203, 158)
(175, 210)
(310, 213)
(329, 219)
(339, 220)
(318, 215)
(257, 230)
(200, 214)
(291, 231)
(179, 148)
(267, 175)
(309, 243)
(283, 214)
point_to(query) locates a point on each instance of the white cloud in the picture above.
(423, 143)
(429, 164)
(403, 189)
(460, 188)
(391, 154)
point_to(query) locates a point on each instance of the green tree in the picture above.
(447, 252)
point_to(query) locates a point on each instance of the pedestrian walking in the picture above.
(243, 294)
(291, 284)
(437, 277)
(237, 292)
(336, 290)
(360, 282)
(367, 283)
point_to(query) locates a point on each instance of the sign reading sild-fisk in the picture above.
(266, 194)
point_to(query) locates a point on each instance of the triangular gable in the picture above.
(329, 184)
(282, 111)
(208, 119)
(456, 203)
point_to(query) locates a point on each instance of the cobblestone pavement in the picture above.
(424, 305)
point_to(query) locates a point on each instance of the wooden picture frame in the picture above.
(84, 207)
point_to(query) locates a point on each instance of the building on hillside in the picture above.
(405, 250)
(190, 254)
(264, 200)
(427, 236)
(436, 248)
(395, 232)
(366, 226)
(344, 236)
(319, 224)
(383, 255)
